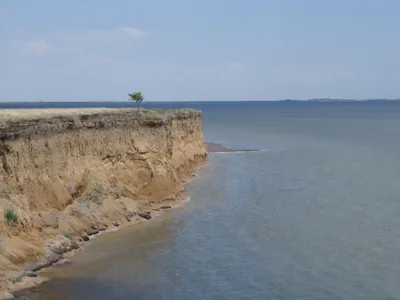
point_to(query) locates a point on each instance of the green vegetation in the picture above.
(137, 97)
(11, 217)
(93, 194)
(68, 235)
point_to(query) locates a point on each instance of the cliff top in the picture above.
(15, 123)
(7, 115)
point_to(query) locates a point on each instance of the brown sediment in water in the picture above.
(70, 174)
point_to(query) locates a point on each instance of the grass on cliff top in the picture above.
(7, 115)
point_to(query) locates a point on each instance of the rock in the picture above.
(92, 232)
(128, 215)
(145, 215)
(29, 273)
(166, 207)
(50, 260)
(53, 258)
(59, 245)
(85, 237)
(102, 227)
(115, 223)
(38, 266)
(63, 262)
(75, 244)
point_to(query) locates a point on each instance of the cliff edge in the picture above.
(67, 174)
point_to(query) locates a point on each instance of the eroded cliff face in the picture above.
(74, 172)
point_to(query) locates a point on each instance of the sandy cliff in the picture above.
(67, 174)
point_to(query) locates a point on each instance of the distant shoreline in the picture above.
(73, 104)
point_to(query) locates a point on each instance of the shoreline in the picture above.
(28, 279)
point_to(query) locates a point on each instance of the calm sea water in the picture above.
(314, 216)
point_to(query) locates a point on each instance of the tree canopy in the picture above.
(137, 97)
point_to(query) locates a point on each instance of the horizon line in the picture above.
(174, 101)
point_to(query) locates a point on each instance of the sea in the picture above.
(312, 215)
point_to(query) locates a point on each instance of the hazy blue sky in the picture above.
(79, 50)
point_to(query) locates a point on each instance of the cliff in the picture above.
(66, 174)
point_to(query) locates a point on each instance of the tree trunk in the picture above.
(138, 106)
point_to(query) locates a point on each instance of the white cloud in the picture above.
(37, 46)
(109, 35)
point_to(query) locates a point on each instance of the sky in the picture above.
(192, 50)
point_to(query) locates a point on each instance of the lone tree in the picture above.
(137, 97)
